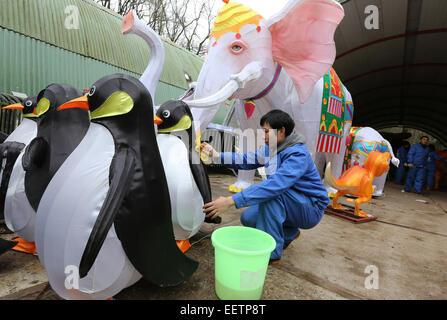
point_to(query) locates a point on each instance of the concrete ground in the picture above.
(407, 244)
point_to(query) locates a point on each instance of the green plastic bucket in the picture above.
(241, 260)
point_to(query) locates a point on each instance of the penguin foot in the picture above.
(183, 245)
(25, 246)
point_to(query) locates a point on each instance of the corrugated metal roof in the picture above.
(396, 73)
(28, 65)
(99, 36)
(9, 119)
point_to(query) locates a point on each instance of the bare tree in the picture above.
(104, 3)
(124, 6)
(187, 23)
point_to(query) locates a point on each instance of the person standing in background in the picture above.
(416, 161)
(402, 154)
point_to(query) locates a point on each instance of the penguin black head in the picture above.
(172, 116)
(60, 129)
(28, 107)
(115, 95)
(54, 96)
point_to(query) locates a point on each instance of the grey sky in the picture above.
(265, 7)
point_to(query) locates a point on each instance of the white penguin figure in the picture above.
(19, 215)
(188, 182)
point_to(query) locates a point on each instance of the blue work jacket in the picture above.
(418, 155)
(291, 170)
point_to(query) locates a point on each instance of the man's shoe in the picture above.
(288, 243)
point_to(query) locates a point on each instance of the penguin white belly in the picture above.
(66, 215)
(24, 133)
(19, 214)
(186, 200)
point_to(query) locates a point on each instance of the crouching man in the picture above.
(291, 198)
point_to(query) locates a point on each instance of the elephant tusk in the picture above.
(187, 94)
(217, 98)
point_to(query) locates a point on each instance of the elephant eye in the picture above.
(237, 47)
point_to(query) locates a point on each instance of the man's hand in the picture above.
(410, 165)
(209, 150)
(217, 207)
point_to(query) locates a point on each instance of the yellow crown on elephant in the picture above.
(232, 17)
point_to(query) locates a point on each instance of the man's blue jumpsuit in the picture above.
(291, 198)
(431, 168)
(400, 172)
(418, 157)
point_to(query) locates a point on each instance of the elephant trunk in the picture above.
(221, 96)
(394, 160)
(250, 72)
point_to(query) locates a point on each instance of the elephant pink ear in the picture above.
(303, 40)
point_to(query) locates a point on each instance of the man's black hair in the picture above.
(424, 137)
(278, 119)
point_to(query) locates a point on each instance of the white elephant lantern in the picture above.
(283, 62)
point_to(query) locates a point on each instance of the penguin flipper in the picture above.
(3, 137)
(122, 167)
(5, 245)
(203, 183)
(10, 151)
(35, 154)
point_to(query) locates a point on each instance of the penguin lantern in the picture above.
(19, 213)
(58, 134)
(67, 213)
(16, 142)
(107, 209)
(188, 182)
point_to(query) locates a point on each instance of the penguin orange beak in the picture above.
(17, 106)
(157, 120)
(80, 103)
